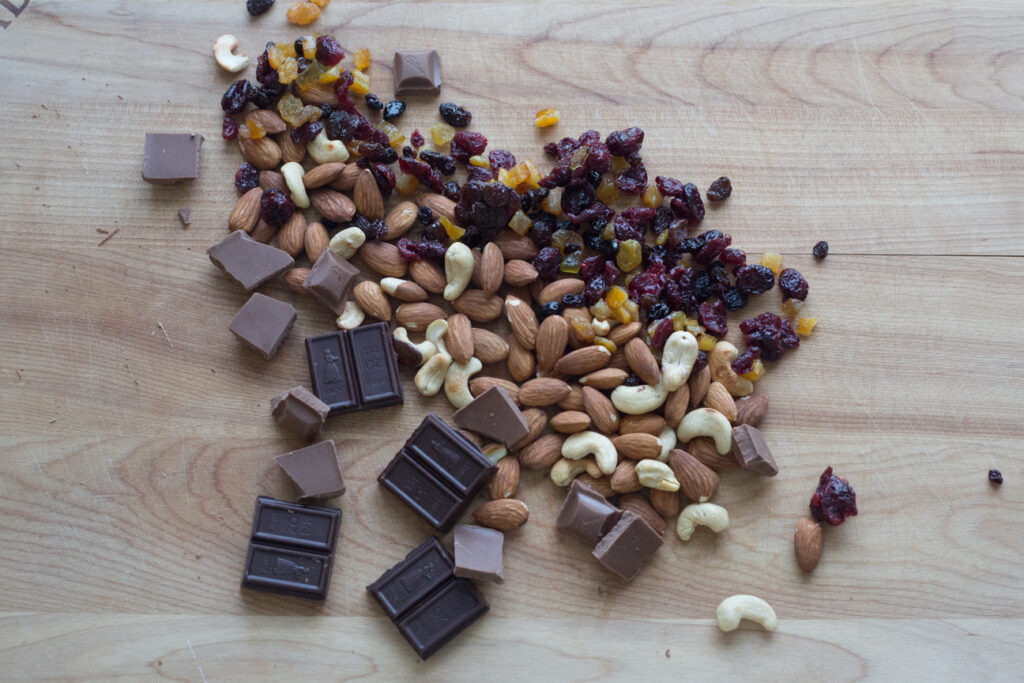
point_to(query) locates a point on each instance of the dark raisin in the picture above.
(442, 162)
(424, 215)
(501, 158)
(657, 311)
(720, 189)
(246, 178)
(466, 145)
(699, 363)
(689, 206)
(236, 97)
(342, 125)
(594, 178)
(546, 262)
(454, 115)
(995, 476)
(435, 232)
(229, 128)
(624, 142)
(792, 284)
(542, 231)
(306, 132)
(670, 187)
(416, 139)
(375, 151)
(734, 257)
(408, 152)
(611, 272)
(654, 255)
(713, 318)
(551, 308)
(373, 102)
(264, 98)
(754, 279)
(744, 362)
(633, 381)
(834, 500)
(451, 190)
(633, 180)
(532, 200)
(572, 300)
(373, 229)
(663, 218)
(734, 299)
(275, 207)
(773, 334)
(393, 109)
(328, 52)
(407, 250)
(258, 7)
(820, 249)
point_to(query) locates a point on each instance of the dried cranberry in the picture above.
(416, 139)
(734, 299)
(328, 52)
(385, 178)
(236, 97)
(633, 180)
(713, 243)
(623, 142)
(373, 102)
(834, 500)
(657, 311)
(718, 279)
(454, 115)
(533, 200)
(591, 267)
(720, 189)
(421, 171)
(597, 214)
(466, 145)
(551, 308)
(393, 109)
(546, 262)
(699, 363)
(713, 318)
(275, 207)
(451, 190)
(431, 250)
(572, 300)
(670, 187)
(407, 250)
(995, 476)
(663, 218)
(594, 290)
(611, 272)
(246, 178)
(654, 255)
(480, 175)
(443, 163)
(773, 334)
(306, 132)
(541, 232)
(661, 334)
(435, 232)
(689, 206)
(646, 288)
(258, 7)
(624, 230)
(734, 257)
(229, 128)
(599, 160)
(501, 158)
(744, 362)
(754, 279)
(792, 284)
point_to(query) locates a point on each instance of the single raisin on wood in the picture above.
(720, 189)
(246, 178)
(670, 187)
(754, 279)
(793, 284)
(373, 102)
(834, 500)
(820, 249)
(454, 115)
(393, 109)
(258, 7)
(995, 476)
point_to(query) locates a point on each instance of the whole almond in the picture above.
(651, 423)
(638, 446)
(638, 505)
(505, 481)
(519, 273)
(514, 246)
(384, 258)
(474, 279)
(601, 410)
(290, 150)
(263, 153)
(559, 288)
(246, 213)
(719, 398)
(624, 478)
(438, 204)
(520, 361)
(489, 347)
(270, 120)
(536, 420)
(459, 338)
(478, 305)
(503, 514)
(642, 361)
(273, 179)
(574, 401)
(492, 265)
(263, 232)
(316, 240)
(417, 316)
(403, 290)
(366, 196)
(583, 360)
(751, 410)
(316, 93)
(542, 391)
(332, 205)
(621, 334)
(699, 384)
(606, 378)
(542, 453)
(676, 406)
(399, 220)
(294, 279)
(346, 180)
(522, 320)
(552, 336)
(570, 421)
(321, 175)
(372, 299)
(703, 448)
(697, 481)
(666, 503)
(428, 275)
(618, 361)
(292, 236)
(479, 385)
(601, 486)
(807, 544)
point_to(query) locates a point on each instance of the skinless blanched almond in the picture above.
(489, 347)
(583, 360)
(459, 338)
(372, 300)
(637, 446)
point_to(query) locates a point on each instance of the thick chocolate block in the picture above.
(299, 411)
(417, 72)
(494, 415)
(587, 514)
(289, 571)
(627, 546)
(354, 369)
(171, 157)
(248, 262)
(263, 323)
(422, 571)
(478, 553)
(330, 280)
(314, 469)
(301, 526)
(444, 614)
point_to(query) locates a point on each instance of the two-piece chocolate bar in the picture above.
(355, 369)
(425, 600)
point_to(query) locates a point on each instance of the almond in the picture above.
(316, 240)
(559, 288)
(537, 420)
(542, 391)
(264, 153)
(263, 232)
(294, 279)
(459, 338)
(676, 405)
(638, 446)
(618, 361)
(366, 196)
(246, 213)
(602, 485)
(522, 320)
(417, 316)
(438, 204)
(520, 361)
(570, 421)
(552, 336)
(321, 175)
(479, 385)
(292, 236)
(665, 503)
(332, 205)
(718, 397)
(290, 150)
(607, 378)
(699, 384)
(514, 246)
(273, 179)
(703, 448)
(384, 258)
(270, 120)
(475, 438)
(807, 544)
(542, 453)
(346, 180)
(574, 401)
(751, 410)
(642, 361)
(621, 334)
(428, 275)
(519, 273)
(624, 479)
(584, 360)
(492, 265)
(489, 347)
(372, 300)
(638, 505)
(642, 424)
(403, 290)
(697, 481)
(316, 93)
(399, 220)
(600, 409)
(480, 306)
(505, 481)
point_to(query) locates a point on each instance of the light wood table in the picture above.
(129, 460)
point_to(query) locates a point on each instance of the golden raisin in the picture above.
(302, 13)
(406, 184)
(663, 236)
(294, 112)
(360, 82)
(608, 191)
(615, 297)
(518, 174)
(361, 58)
(534, 180)
(545, 118)
(772, 261)
(520, 223)
(287, 49)
(553, 202)
(606, 343)
(289, 70)
(791, 307)
(320, 3)
(479, 160)
(756, 371)
(619, 164)
(441, 135)
(653, 198)
(274, 56)
(804, 326)
(395, 137)
(256, 129)
(454, 231)
(629, 255)
(706, 342)
(564, 237)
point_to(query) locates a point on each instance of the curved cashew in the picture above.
(435, 334)
(324, 150)
(707, 422)
(677, 359)
(431, 376)
(668, 442)
(293, 172)
(734, 608)
(425, 348)
(656, 475)
(720, 360)
(224, 53)
(714, 517)
(640, 399)
(601, 327)
(458, 269)
(593, 443)
(351, 316)
(456, 382)
(494, 452)
(347, 242)
(565, 470)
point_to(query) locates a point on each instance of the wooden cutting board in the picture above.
(136, 431)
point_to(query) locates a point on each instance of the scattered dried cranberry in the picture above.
(466, 145)
(689, 206)
(454, 115)
(246, 178)
(591, 267)
(407, 250)
(442, 162)
(384, 176)
(236, 97)
(306, 132)
(773, 334)
(551, 308)
(229, 128)
(792, 284)
(373, 102)
(594, 290)
(501, 158)
(713, 243)
(328, 52)
(733, 257)
(700, 362)
(258, 7)
(734, 299)
(431, 250)
(670, 187)
(754, 279)
(625, 142)
(393, 109)
(744, 362)
(994, 476)
(421, 171)
(275, 207)
(546, 262)
(646, 287)
(713, 318)
(834, 500)
(435, 232)
(633, 180)
(720, 189)
(820, 249)
(416, 139)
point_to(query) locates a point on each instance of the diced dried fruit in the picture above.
(256, 129)
(820, 249)
(629, 256)
(520, 223)
(570, 263)
(545, 118)
(328, 52)
(804, 326)
(756, 371)
(705, 342)
(720, 189)
(302, 13)
(479, 161)
(466, 144)
(772, 261)
(790, 307)
(360, 82)
(321, 3)
(361, 58)
(616, 297)
(793, 284)
(453, 231)
(441, 135)
(455, 115)
(406, 184)
(834, 500)
(295, 113)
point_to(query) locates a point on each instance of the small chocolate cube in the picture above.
(478, 553)
(587, 514)
(630, 543)
(299, 411)
(171, 157)
(330, 280)
(248, 262)
(417, 72)
(263, 323)
(751, 451)
(314, 469)
(493, 415)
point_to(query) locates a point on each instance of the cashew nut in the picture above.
(435, 334)
(456, 382)
(714, 517)
(494, 451)
(351, 316)
(656, 475)
(734, 608)
(458, 269)
(720, 360)
(640, 399)
(224, 53)
(593, 443)
(601, 327)
(707, 422)
(677, 359)
(668, 442)
(425, 348)
(293, 172)
(431, 376)
(347, 242)
(565, 470)
(324, 150)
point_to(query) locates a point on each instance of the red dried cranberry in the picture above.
(454, 115)
(597, 214)
(661, 333)
(670, 187)
(591, 267)
(258, 7)
(275, 207)
(501, 158)
(229, 128)
(599, 160)
(407, 250)
(714, 243)
(995, 476)
(713, 318)
(733, 257)
(689, 206)
(793, 284)
(546, 262)
(624, 142)
(744, 362)
(466, 145)
(720, 189)
(594, 290)
(663, 219)
(633, 180)
(328, 52)
(235, 97)
(646, 288)
(834, 500)
(431, 250)
(754, 279)
(774, 335)
(611, 272)
(699, 363)
(385, 178)
(306, 132)
(624, 230)
(820, 249)
(416, 139)
(246, 178)
(541, 233)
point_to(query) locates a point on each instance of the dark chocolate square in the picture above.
(440, 617)
(375, 365)
(451, 455)
(422, 491)
(329, 371)
(302, 526)
(288, 571)
(422, 571)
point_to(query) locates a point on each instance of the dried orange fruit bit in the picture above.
(321, 3)
(805, 325)
(302, 13)
(361, 57)
(545, 118)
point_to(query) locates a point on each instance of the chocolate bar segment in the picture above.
(417, 72)
(171, 157)
(248, 262)
(263, 323)
(328, 357)
(478, 552)
(330, 280)
(587, 514)
(751, 451)
(450, 454)
(421, 572)
(444, 614)
(494, 415)
(630, 543)
(288, 571)
(314, 469)
(299, 526)
(422, 491)
(376, 366)
(299, 411)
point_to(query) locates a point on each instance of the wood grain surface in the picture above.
(129, 461)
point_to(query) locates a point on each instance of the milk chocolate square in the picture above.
(630, 543)
(314, 469)
(248, 262)
(478, 553)
(330, 280)
(299, 411)
(494, 415)
(417, 72)
(752, 452)
(587, 514)
(263, 323)
(171, 157)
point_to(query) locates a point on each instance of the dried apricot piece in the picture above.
(804, 326)
(545, 118)
(360, 82)
(361, 58)
(256, 129)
